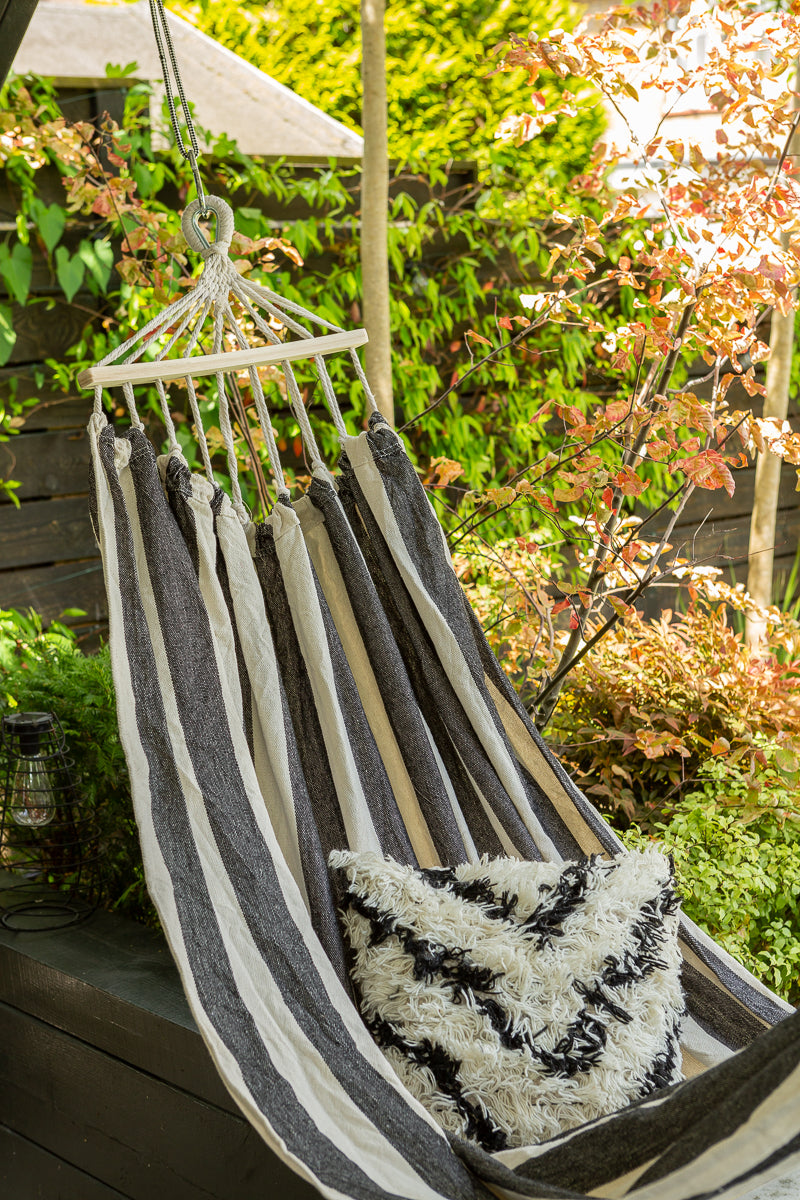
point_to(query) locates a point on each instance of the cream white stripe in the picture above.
(769, 1127)
(507, 844)
(618, 1188)
(701, 1045)
(292, 1054)
(269, 732)
(790, 1166)
(299, 583)
(211, 590)
(450, 654)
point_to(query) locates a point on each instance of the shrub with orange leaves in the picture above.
(657, 699)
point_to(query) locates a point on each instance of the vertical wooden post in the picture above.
(764, 518)
(375, 206)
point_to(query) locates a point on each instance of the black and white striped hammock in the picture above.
(318, 681)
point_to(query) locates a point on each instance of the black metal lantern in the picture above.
(48, 842)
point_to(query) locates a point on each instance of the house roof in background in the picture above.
(72, 41)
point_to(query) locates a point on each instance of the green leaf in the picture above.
(7, 335)
(70, 271)
(786, 762)
(98, 258)
(16, 269)
(50, 222)
(117, 71)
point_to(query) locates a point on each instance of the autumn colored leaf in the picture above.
(443, 471)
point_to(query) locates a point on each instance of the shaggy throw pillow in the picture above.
(516, 1000)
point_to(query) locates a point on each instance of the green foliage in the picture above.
(442, 101)
(454, 271)
(43, 670)
(738, 866)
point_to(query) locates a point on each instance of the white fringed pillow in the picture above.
(516, 1000)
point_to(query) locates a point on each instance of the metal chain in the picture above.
(190, 152)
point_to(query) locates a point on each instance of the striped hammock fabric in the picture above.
(318, 682)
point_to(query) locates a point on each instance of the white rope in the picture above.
(330, 396)
(371, 401)
(242, 293)
(127, 392)
(167, 415)
(264, 419)
(163, 320)
(267, 296)
(225, 423)
(98, 402)
(295, 396)
(182, 327)
(299, 410)
(200, 432)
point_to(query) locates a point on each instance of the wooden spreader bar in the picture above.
(209, 364)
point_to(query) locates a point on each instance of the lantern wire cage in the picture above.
(50, 849)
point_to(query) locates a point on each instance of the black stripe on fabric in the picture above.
(225, 587)
(436, 697)
(657, 1127)
(180, 493)
(424, 542)
(319, 819)
(432, 689)
(498, 1175)
(250, 868)
(586, 811)
(391, 676)
(385, 814)
(716, 1012)
(178, 484)
(754, 1000)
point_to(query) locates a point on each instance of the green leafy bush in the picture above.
(738, 866)
(45, 671)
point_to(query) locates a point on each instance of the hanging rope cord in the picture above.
(212, 295)
(166, 53)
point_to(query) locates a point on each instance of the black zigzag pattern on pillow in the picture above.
(575, 1049)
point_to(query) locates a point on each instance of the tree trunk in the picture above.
(375, 206)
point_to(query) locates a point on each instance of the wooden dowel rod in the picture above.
(209, 364)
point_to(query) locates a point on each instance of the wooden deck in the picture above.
(106, 1087)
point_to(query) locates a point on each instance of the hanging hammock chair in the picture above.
(318, 681)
